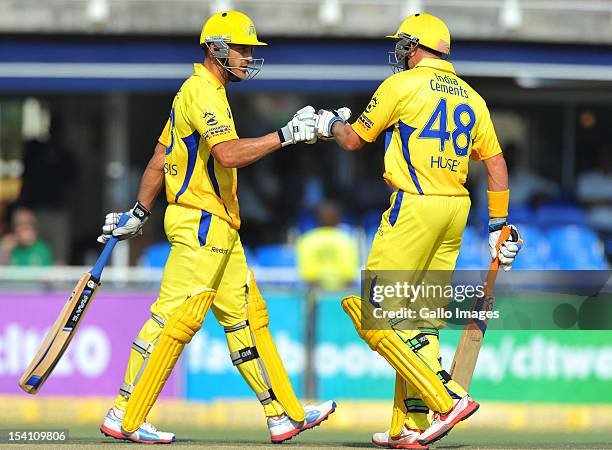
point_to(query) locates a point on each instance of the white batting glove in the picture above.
(509, 248)
(138, 215)
(302, 128)
(326, 120)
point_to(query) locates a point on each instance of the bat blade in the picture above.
(466, 355)
(59, 336)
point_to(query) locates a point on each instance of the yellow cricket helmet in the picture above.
(233, 27)
(430, 31)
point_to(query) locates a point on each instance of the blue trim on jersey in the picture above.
(210, 167)
(192, 142)
(394, 214)
(169, 149)
(405, 133)
(204, 227)
(388, 136)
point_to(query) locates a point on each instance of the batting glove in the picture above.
(326, 120)
(138, 215)
(302, 128)
(509, 248)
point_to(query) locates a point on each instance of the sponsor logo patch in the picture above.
(210, 119)
(221, 129)
(373, 103)
(365, 121)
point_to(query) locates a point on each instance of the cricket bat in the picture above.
(63, 330)
(470, 343)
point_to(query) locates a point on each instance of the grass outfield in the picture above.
(90, 437)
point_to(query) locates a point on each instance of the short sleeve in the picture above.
(379, 114)
(485, 144)
(164, 137)
(214, 122)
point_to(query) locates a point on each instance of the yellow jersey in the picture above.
(433, 122)
(200, 118)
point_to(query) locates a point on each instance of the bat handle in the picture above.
(96, 271)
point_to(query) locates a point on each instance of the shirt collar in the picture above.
(438, 64)
(200, 71)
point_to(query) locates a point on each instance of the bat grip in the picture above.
(492, 274)
(96, 270)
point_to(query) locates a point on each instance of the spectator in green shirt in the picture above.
(22, 247)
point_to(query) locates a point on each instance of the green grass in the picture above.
(90, 437)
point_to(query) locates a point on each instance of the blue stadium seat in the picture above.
(520, 214)
(555, 215)
(473, 246)
(535, 255)
(155, 255)
(275, 256)
(579, 247)
(250, 257)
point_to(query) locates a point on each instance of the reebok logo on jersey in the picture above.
(223, 251)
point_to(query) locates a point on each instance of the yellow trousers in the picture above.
(206, 253)
(420, 233)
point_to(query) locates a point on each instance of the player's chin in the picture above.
(240, 72)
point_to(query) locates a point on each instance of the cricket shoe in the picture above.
(408, 439)
(145, 434)
(285, 428)
(443, 423)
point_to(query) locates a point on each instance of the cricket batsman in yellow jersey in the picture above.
(433, 122)
(197, 156)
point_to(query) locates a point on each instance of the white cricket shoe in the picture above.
(285, 428)
(145, 434)
(443, 423)
(408, 439)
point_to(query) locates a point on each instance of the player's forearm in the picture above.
(346, 137)
(153, 178)
(242, 152)
(497, 193)
(497, 172)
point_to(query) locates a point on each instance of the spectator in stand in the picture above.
(595, 191)
(22, 247)
(528, 187)
(49, 173)
(327, 255)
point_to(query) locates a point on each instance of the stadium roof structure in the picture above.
(54, 64)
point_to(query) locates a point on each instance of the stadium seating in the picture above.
(552, 215)
(275, 256)
(578, 246)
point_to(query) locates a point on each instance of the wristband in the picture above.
(336, 118)
(498, 203)
(285, 136)
(140, 212)
(496, 224)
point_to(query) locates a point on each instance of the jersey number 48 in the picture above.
(462, 133)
